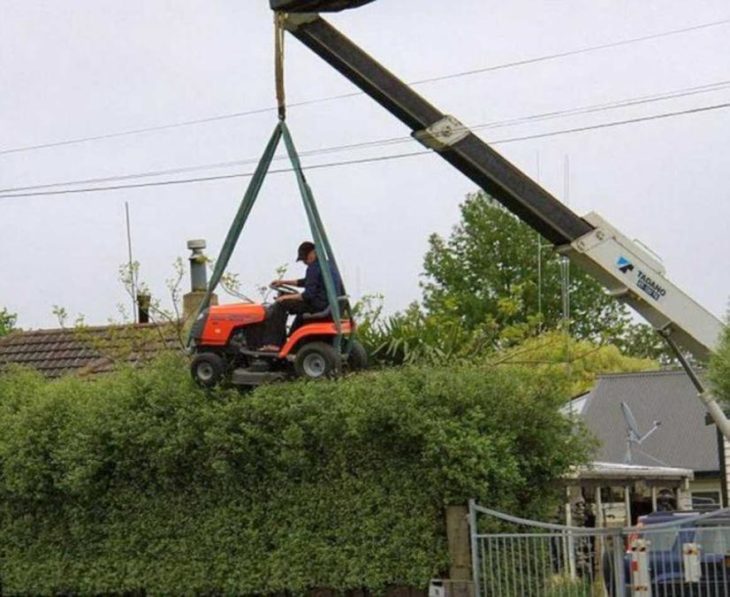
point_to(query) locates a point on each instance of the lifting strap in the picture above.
(325, 255)
(279, 64)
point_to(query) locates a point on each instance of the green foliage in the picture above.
(486, 274)
(413, 336)
(580, 361)
(141, 481)
(641, 340)
(481, 296)
(7, 321)
(417, 337)
(719, 373)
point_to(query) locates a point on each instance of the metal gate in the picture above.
(688, 556)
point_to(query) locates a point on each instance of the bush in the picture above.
(141, 481)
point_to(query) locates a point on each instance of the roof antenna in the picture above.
(633, 435)
(132, 277)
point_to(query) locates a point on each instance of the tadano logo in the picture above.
(624, 265)
(651, 287)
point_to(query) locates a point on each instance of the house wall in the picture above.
(726, 452)
(705, 485)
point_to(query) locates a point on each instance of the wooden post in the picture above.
(599, 508)
(459, 541)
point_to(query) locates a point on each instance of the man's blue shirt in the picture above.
(315, 292)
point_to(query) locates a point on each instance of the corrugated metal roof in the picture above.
(85, 350)
(612, 470)
(683, 439)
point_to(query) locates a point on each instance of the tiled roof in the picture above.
(682, 440)
(86, 350)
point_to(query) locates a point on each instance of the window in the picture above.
(705, 500)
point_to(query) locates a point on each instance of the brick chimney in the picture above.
(198, 280)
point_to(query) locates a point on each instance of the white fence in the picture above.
(673, 555)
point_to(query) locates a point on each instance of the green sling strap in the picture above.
(322, 245)
(319, 236)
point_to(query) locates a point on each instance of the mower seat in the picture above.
(327, 313)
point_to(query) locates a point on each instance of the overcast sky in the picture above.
(78, 69)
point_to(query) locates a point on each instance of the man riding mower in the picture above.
(247, 344)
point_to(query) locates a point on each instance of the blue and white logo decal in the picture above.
(644, 281)
(624, 265)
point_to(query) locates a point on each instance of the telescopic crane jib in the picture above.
(624, 267)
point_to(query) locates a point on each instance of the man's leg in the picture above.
(299, 309)
(275, 326)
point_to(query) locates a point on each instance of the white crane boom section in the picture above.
(638, 278)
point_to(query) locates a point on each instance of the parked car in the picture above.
(666, 559)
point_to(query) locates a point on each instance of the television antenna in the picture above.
(633, 436)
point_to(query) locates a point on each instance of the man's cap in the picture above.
(304, 249)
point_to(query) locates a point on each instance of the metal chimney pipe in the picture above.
(198, 268)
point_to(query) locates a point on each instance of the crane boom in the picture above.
(436, 130)
(625, 268)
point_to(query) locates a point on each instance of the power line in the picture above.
(397, 140)
(213, 178)
(626, 103)
(446, 77)
(565, 54)
(373, 159)
(606, 125)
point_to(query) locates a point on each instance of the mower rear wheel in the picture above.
(357, 360)
(207, 369)
(317, 360)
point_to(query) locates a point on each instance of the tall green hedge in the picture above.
(140, 481)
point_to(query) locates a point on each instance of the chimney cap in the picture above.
(196, 244)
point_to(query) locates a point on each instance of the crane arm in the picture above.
(625, 267)
(454, 142)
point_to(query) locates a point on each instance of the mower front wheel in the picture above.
(317, 360)
(207, 369)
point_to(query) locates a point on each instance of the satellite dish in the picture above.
(633, 435)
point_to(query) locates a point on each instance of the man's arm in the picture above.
(300, 282)
(313, 282)
(289, 297)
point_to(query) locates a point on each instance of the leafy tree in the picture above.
(641, 340)
(719, 373)
(7, 321)
(486, 273)
(415, 336)
(580, 361)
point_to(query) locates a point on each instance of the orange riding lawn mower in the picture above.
(226, 339)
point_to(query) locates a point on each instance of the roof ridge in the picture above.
(649, 373)
(85, 328)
